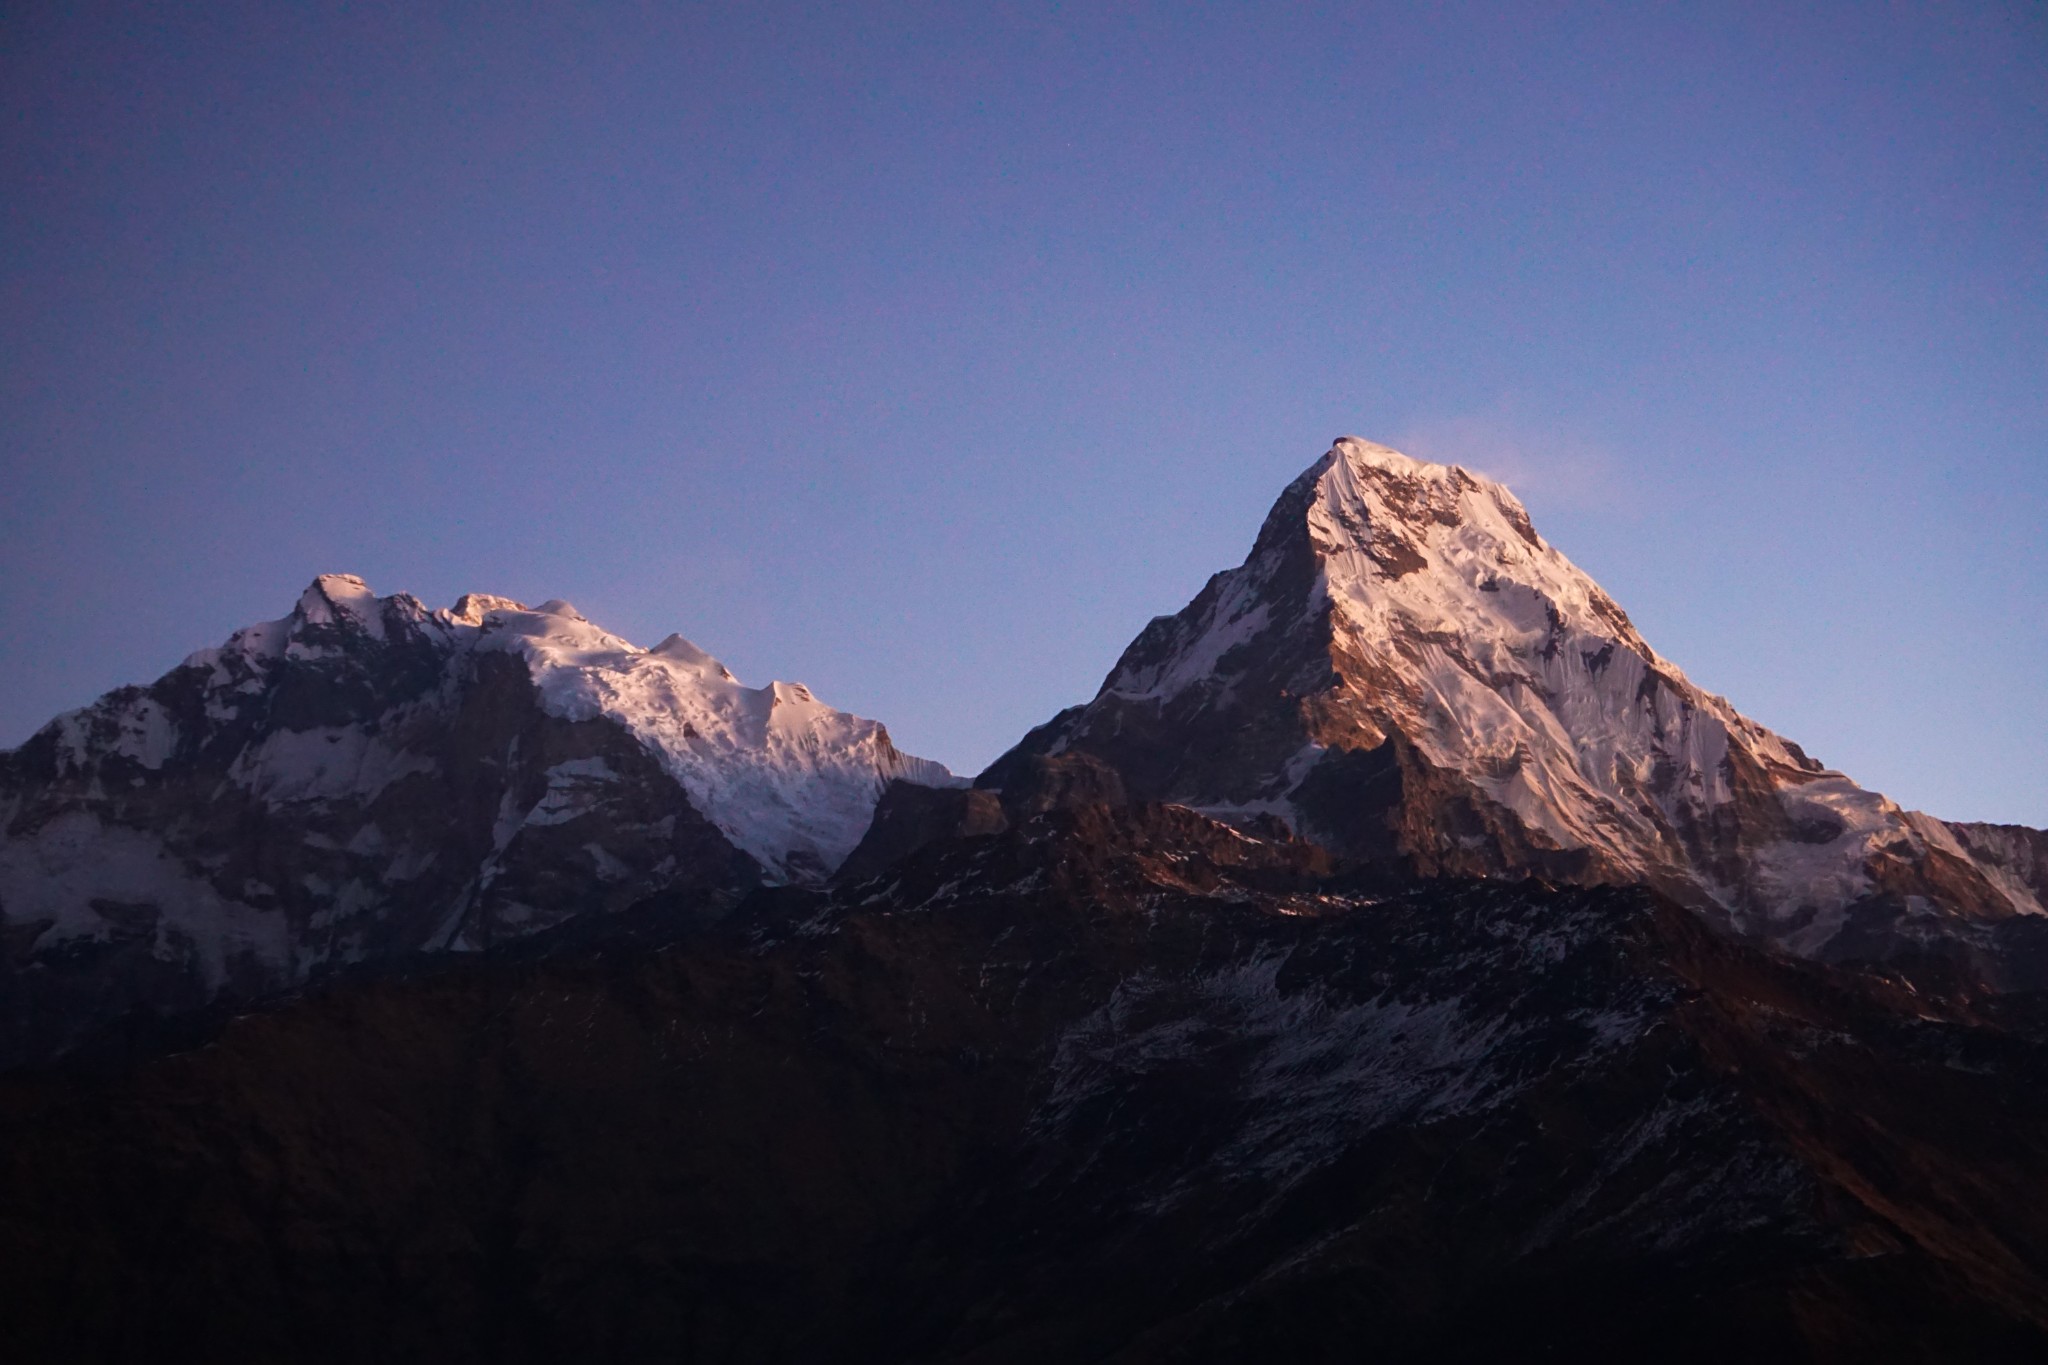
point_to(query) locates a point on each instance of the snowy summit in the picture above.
(365, 778)
(1403, 668)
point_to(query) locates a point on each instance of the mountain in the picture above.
(1397, 957)
(1107, 1085)
(365, 780)
(1405, 671)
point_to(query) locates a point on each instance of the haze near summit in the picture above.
(923, 354)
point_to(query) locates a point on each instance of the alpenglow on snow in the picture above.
(366, 779)
(1404, 669)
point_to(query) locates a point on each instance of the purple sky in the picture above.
(923, 353)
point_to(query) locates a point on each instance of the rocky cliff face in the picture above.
(366, 780)
(1405, 671)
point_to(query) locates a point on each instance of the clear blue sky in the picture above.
(922, 353)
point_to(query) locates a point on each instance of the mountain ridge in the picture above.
(366, 780)
(399, 984)
(1402, 670)
(1403, 667)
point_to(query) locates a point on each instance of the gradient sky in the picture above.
(922, 353)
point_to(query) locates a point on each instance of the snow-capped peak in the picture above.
(363, 779)
(1440, 543)
(1360, 453)
(789, 780)
(686, 655)
(471, 608)
(1395, 607)
(341, 599)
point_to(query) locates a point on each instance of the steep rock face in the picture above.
(1405, 670)
(366, 779)
(1108, 1085)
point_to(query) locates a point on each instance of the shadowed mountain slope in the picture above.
(1108, 1086)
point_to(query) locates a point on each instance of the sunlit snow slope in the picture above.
(1404, 667)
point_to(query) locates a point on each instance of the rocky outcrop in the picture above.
(1405, 670)
(910, 816)
(2013, 856)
